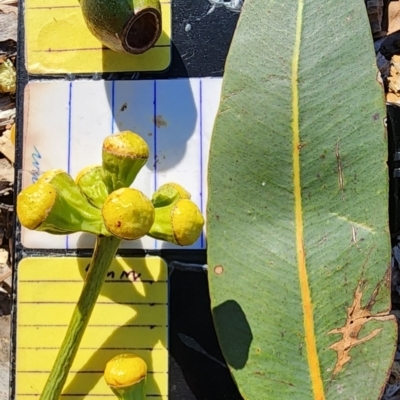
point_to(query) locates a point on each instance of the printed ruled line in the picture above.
(89, 49)
(77, 6)
(112, 106)
(87, 395)
(49, 7)
(69, 144)
(201, 154)
(69, 126)
(131, 303)
(150, 282)
(155, 141)
(84, 372)
(150, 326)
(97, 348)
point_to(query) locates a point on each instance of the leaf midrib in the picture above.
(310, 340)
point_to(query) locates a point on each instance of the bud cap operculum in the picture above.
(125, 374)
(180, 223)
(35, 203)
(128, 214)
(187, 222)
(124, 154)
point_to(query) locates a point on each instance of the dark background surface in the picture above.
(197, 368)
(200, 52)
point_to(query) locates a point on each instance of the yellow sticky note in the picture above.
(58, 41)
(131, 315)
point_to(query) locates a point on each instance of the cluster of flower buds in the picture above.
(100, 201)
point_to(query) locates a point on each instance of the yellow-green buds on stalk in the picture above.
(126, 374)
(101, 202)
(54, 204)
(128, 214)
(90, 181)
(177, 219)
(124, 154)
(168, 194)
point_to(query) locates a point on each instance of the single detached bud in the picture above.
(90, 182)
(168, 194)
(126, 374)
(128, 214)
(124, 154)
(43, 207)
(180, 223)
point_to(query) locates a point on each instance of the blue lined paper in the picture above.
(175, 117)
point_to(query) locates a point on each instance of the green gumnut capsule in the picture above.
(169, 193)
(43, 207)
(180, 223)
(125, 374)
(124, 154)
(128, 214)
(90, 182)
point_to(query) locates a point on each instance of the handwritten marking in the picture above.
(131, 275)
(36, 157)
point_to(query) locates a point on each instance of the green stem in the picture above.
(104, 252)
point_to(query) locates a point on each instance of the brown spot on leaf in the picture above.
(375, 117)
(219, 270)
(160, 121)
(118, 224)
(217, 217)
(357, 317)
(301, 145)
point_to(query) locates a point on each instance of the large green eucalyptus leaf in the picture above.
(298, 242)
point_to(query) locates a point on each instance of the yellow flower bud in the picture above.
(124, 154)
(180, 222)
(35, 203)
(90, 181)
(168, 194)
(55, 204)
(187, 222)
(128, 214)
(125, 370)
(126, 374)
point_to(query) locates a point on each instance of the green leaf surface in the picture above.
(297, 219)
